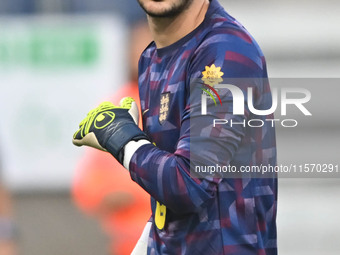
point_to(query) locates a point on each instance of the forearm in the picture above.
(166, 177)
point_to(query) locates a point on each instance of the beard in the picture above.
(174, 10)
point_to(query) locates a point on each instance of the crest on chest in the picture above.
(164, 107)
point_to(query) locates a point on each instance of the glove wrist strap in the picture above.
(116, 143)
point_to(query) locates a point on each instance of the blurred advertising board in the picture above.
(53, 70)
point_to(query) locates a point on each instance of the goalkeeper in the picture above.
(194, 40)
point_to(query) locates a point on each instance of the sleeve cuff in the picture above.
(130, 149)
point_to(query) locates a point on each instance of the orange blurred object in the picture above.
(104, 189)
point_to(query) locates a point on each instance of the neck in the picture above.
(166, 31)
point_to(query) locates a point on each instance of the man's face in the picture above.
(164, 8)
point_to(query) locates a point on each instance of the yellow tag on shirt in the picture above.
(160, 215)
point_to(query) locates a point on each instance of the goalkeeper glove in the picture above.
(110, 128)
